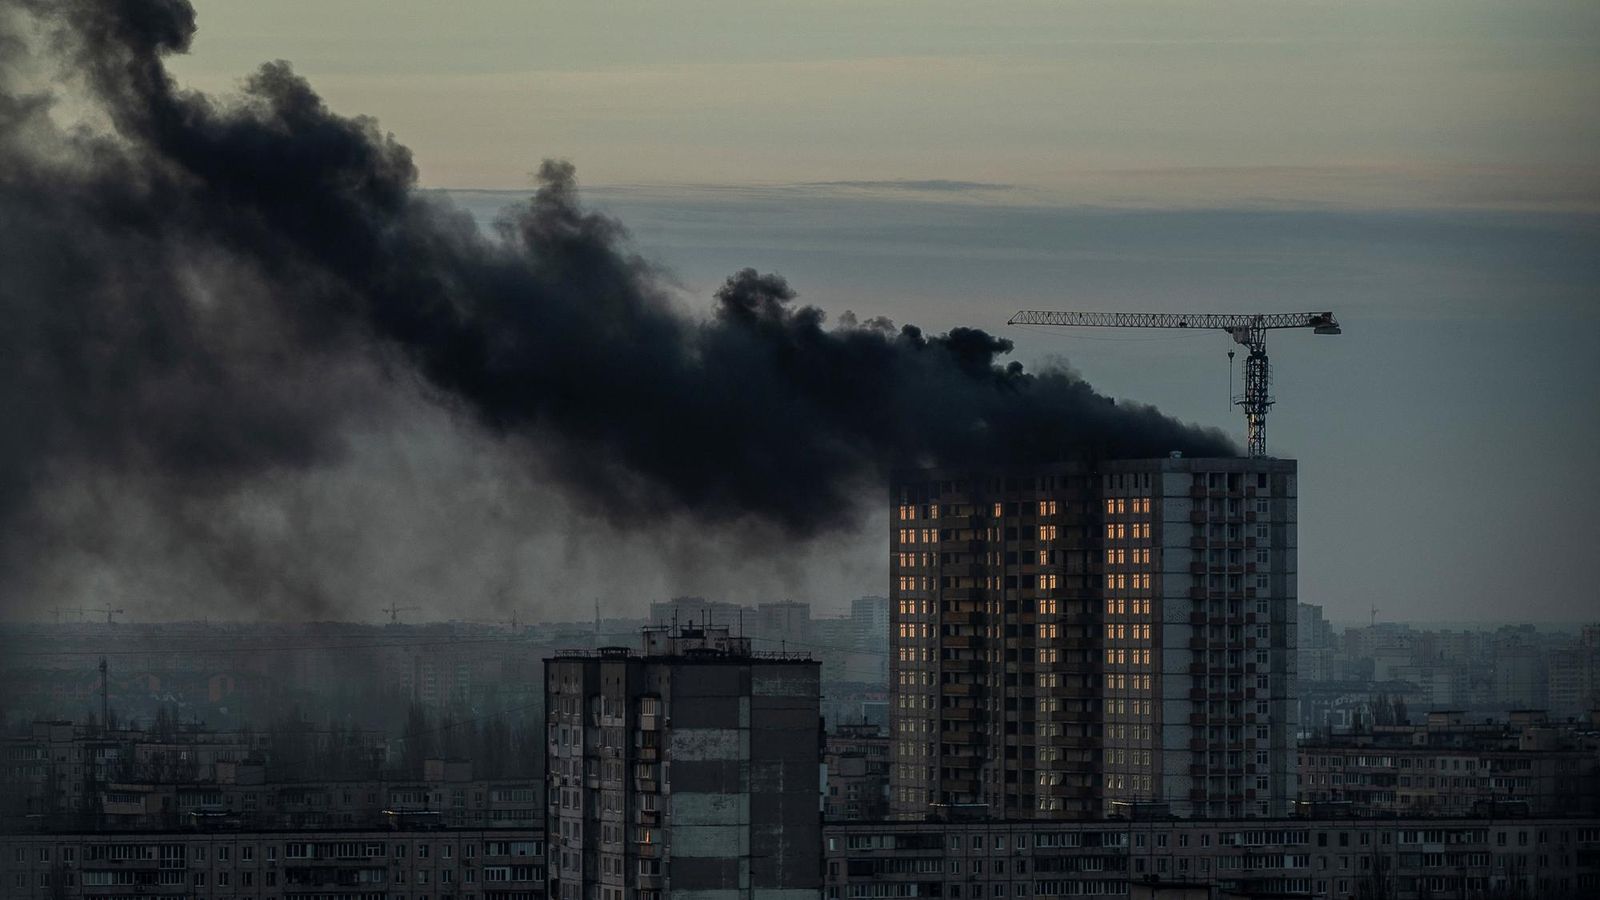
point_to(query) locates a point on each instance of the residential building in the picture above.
(1449, 766)
(1069, 640)
(693, 765)
(1329, 859)
(857, 760)
(394, 863)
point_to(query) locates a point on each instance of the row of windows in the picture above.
(1116, 506)
(1123, 657)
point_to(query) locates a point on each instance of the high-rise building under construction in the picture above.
(1083, 639)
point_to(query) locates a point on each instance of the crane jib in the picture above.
(1249, 329)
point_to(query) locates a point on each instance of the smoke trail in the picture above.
(200, 293)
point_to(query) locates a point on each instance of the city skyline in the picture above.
(524, 450)
(1449, 230)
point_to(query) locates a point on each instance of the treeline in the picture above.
(298, 749)
(496, 746)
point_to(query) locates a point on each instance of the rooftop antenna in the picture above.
(105, 699)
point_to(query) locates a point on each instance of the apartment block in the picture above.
(1448, 765)
(63, 777)
(689, 769)
(857, 759)
(1077, 640)
(1221, 565)
(1328, 859)
(370, 864)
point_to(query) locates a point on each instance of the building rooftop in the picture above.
(715, 643)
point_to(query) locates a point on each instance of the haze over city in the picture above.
(1426, 170)
(712, 451)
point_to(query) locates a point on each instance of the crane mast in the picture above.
(1248, 329)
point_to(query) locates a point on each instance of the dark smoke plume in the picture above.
(202, 293)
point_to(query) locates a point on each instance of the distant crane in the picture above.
(395, 611)
(1249, 329)
(107, 611)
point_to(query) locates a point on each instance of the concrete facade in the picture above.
(689, 771)
(1072, 641)
(1328, 859)
(1447, 765)
(482, 864)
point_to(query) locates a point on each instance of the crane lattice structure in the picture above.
(106, 610)
(394, 611)
(1249, 329)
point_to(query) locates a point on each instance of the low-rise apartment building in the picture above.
(369, 864)
(1449, 766)
(857, 760)
(1398, 859)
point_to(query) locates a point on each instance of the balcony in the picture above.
(961, 545)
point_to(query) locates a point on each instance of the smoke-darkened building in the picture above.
(1074, 640)
(693, 766)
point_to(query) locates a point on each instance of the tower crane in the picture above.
(1248, 329)
(394, 612)
(107, 611)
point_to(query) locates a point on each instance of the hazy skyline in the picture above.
(1427, 171)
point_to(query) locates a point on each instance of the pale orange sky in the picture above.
(1140, 103)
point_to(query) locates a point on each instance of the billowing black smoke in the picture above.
(188, 283)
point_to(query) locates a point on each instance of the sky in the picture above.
(1428, 171)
